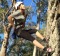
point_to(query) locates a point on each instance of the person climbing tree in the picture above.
(17, 20)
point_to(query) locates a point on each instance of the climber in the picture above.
(17, 21)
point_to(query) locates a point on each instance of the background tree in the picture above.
(6, 34)
(53, 27)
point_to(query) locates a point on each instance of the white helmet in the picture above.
(17, 4)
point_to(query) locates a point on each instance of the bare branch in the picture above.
(33, 1)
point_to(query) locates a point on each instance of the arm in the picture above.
(10, 19)
(11, 16)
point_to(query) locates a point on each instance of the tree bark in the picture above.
(5, 41)
(6, 36)
(53, 27)
(4, 44)
(13, 2)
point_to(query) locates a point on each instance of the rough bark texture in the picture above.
(5, 41)
(53, 26)
(6, 35)
(4, 44)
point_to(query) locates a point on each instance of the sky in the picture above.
(1, 35)
(33, 5)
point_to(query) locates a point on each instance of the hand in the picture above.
(9, 27)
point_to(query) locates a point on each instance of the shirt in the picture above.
(19, 19)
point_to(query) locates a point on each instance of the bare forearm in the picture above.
(10, 20)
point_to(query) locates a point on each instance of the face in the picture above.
(22, 6)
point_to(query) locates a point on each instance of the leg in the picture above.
(31, 31)
(39, 35)
(48, 49)
(36, 43)
(27, 36)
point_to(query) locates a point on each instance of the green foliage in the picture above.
(42, 31)
(25, 47)
(2, 10)
(1, 17)
(43, 8)
(28, 48)
(1, 21)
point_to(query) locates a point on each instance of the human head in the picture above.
(19, 5)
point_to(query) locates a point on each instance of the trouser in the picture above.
(26, 34)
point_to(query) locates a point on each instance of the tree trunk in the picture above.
(34, 51)
(4, 44)
(6, 36)
(53, 27)
(35, 48)
(5, 41)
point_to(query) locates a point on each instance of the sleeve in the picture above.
(15, 13)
